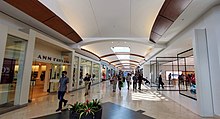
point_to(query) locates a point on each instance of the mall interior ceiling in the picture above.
(128, 35)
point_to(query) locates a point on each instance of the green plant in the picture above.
(85, 108)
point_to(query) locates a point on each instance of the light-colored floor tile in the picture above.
(152, 102)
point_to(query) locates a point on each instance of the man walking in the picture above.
(134, 82)
(140, 77)
(63, 82)
(87, 81)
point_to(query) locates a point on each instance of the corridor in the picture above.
(148, 102)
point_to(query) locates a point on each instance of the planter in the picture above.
(97, 115)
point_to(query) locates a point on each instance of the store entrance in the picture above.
(45, 78)
(38, 80)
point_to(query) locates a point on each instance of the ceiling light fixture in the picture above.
(123, 57)
(120, 49)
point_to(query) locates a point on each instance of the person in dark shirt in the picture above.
(160, 82)
(135, 78)
(120, 83)
(87, 80)
(63, 88)
(140, 78)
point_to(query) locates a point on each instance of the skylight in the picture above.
(126, 67)
(123, 57)
(125, 62)
(120, 49)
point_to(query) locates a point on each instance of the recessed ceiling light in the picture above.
(120, 49)
(112, 42)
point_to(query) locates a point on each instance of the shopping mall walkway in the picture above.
(148, 103)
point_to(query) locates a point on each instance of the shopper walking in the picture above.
(62, 89)
(114, 82)
(134, 78)
(160, 82)
(120, 83)
(140, 77)
(128, 79)
(87, 80)
(169, 77)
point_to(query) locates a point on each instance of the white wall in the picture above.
(210, 22)
(214, 56)
(44, 49)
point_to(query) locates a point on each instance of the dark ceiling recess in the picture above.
(169, 12)
(41, 13)
(133, 61)
(132, 54)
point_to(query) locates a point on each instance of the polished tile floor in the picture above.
(148, 101)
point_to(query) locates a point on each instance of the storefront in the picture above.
(12, 70)
(31, 61)
(26, 62)
(82, 66)
(47, 67)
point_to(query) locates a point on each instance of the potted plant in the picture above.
(87, 110)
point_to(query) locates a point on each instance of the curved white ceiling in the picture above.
(107, 18)
(127, 22)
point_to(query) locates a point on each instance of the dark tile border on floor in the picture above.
(110, 111)
(8, 109)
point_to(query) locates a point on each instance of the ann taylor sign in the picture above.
(52, 59)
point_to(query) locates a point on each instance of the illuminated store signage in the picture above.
(54, 59)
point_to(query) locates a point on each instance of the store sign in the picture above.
(7, 71)
(53, 59)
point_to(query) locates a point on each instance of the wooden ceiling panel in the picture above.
(162, 25)
(175, 8)
(55, 22)
(169, 12)
(155, 36)
(41, 13)
(32, 8)
(74, 36)
(165, 5)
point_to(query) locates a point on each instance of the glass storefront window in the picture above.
(187, 80)
(85, 67)
(96, 70)
(55, 75)
(12, 70)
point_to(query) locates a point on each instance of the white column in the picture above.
(3, 35)
(25, 85)
(3, 40)
(213, 34)
(71, 55)
(100, 72)
(202, 69)
(92, 69)
(78, 73)
(47, 77)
